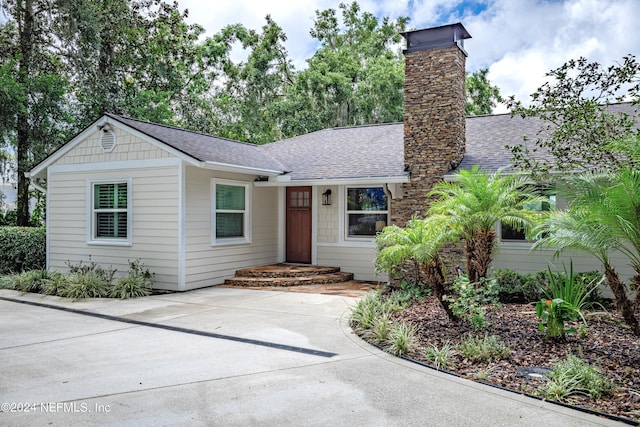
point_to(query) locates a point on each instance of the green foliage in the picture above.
(483, 349)
(22, 249)
(469, 299)
(566, 301)
(138, 282)
(26, 281)
(573, 376)
(520, 288)
(481, 95)
(381, 329)
(402, 339)
(440, 357)
(56, 284)
(92, 269)
(472, 204)
(579, 128)
(367, 310)
(89, 284)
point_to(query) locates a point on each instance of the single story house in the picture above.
(195, 208)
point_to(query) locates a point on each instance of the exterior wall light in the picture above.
(326, 198)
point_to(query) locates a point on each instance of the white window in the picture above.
(109, 208)
(367, 211)
(231, 218)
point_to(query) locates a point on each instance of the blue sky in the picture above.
(517, 40)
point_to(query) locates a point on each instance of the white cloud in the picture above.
(518, 40)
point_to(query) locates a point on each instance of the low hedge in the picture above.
(22, 249)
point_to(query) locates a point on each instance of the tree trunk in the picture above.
(470, 251)
(622, 302)
(482, 254)
(435, 279)
(635, 282)
(25, 34)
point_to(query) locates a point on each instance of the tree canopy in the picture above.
(580, 131)
(63, 63)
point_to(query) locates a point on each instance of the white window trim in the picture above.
(91, 225)
(345, 217)
(221, 241)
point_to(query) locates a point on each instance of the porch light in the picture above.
(326, 198)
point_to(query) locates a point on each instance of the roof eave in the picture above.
(226, 167)
(398, 179)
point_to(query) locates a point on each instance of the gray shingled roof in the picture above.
(205, 148)
(342, 153)
(487, 137)
(370, 151)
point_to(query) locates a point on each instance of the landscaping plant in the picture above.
(483, 349)
(138, 282)
(468, 300)
(566, 301)
(573, 376)
(441, 357)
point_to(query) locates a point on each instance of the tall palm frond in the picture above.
(475, 202)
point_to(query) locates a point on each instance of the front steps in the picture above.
(288, 275)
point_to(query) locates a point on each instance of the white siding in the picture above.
(154, 206)
(328, 216)
(353, 259)
(208, 265)
(519, 257)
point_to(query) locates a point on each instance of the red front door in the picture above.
(299, 224)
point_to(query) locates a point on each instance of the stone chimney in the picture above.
(434, 113)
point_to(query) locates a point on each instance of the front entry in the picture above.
(299, 224)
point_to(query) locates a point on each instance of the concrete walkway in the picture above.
(229, 357)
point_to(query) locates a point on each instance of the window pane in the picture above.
(111, 224)
(299, 199)
(366, 224)
(121, 189)
(105, 224)
(103, 196)
(229, 224)
(366, 199)
(229, 197)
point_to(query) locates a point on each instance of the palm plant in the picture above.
(475, 202)
(602, 218)
(419, 243)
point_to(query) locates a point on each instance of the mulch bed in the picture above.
(608, 345)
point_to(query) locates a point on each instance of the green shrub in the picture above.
(92, 268)
(138, 282)
(402, 338)
(27, 281)
(574, 376)
(56, 284)
(366, 310)
(22, 249)
(566, 301)
(514, 287)
(470, 299)
(440, 357)
(483, 349)
(86, 285)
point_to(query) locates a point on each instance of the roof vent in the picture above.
(107, 139)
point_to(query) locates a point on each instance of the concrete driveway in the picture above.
(222, 357)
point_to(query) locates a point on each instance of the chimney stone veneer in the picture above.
(434, 114)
